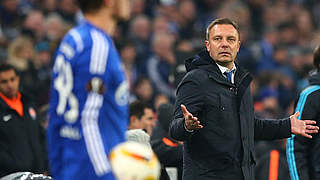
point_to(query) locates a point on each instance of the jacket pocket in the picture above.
(220, 101)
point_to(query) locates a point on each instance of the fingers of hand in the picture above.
(193, 123)
(312, 127)
(191, 120)
(184, 109)
(311, 131)
(197, 125)
(190, 117)
(310, 122)
(308, 136)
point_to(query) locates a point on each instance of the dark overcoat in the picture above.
(224, 148)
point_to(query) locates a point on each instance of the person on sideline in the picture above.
(141, 117)
(303, 154)
(214, 113)
(168, 150)
(89, 96)
(21, 141)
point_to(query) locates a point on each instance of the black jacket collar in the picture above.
(315, 79)
(203, 61)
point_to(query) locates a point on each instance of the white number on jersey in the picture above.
(64, 85)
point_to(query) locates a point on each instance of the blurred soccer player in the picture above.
(88, 103)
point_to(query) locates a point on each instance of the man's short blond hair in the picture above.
(222, 21)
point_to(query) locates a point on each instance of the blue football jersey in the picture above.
(88, 112)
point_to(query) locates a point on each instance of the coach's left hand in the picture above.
(303, 127)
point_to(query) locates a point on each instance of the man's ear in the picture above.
(133, 120)
(18, 79)
(239, 44)
(207, 44)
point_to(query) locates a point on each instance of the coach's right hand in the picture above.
(191, 122)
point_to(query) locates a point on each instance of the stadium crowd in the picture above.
(277, 42)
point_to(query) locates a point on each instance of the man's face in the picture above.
(147, 120)
(223, 44)
(9, 83)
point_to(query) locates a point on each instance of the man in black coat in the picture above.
(303, 154)
(219, 127)
(169, 151)
(21, 142)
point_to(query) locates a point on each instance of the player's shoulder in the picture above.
(78, 36)
(197, 74)
(312, 89)
(310, 94)
(76, 40)
(87, 34)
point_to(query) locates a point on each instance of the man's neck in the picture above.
(102, 20)
(9, 98)
(224, 68)
(228, 65)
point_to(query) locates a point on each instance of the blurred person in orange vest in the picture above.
(168, 150)
(22, 146)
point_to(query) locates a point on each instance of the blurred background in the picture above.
(277, 40)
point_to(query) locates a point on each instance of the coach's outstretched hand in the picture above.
(191, 122)
(303, 127)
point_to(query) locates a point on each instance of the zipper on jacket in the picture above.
(242, 78)
(234, 90)
(235, 86)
